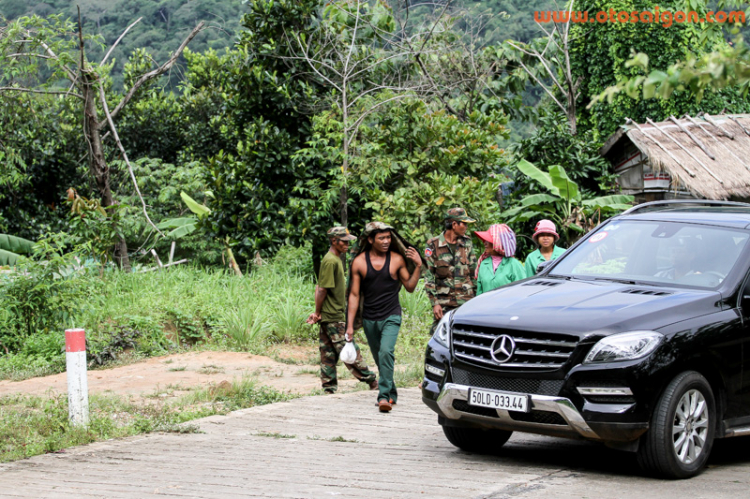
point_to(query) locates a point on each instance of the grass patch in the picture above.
(32, 425)
(333, 439)
(182, 308)
(177, 369)
(314, 372)
(274, 435)
(210, 369)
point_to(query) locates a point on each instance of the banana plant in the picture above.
(563, 202)
(183, 226)
(12, 248)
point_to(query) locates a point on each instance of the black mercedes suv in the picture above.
(637, 337)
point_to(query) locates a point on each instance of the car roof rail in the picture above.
(696, 202)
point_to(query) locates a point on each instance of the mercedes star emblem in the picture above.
(502, 349)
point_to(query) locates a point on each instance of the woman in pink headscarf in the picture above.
(497, 266)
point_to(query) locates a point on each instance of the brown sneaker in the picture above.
(374, 384)
(384, 406)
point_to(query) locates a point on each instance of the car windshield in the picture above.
(656, 252)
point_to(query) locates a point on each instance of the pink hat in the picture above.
(502, 239)
(545, 227)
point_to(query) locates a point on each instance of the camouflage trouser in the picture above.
(332, 341)
(436, 321)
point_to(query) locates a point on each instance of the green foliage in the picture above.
(39, 160)
(163, 22)
(564, 203)
(162, 185)
(413, 164)
(419, 206)
(151, 313)
(44, 294)
(600, 55)
(552, 144)
(11, 248)
(245, 123)
(94, 227)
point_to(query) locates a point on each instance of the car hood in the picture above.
(584, 308)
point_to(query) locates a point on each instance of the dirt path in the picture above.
(175, 375)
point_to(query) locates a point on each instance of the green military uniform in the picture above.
(535, 258)
(333, 326)
(449, 276)
(509, 270)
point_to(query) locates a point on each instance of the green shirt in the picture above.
(509, 270)
(331, 278)
(535, 258)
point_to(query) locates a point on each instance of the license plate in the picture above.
(499, 400)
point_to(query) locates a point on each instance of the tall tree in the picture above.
(61, 46)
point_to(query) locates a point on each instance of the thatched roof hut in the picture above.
(705, 157)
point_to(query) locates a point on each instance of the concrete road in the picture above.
(341, 446)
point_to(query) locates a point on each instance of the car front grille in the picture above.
(541, 417)
(534, 351)
(463, 406)
(519, 385)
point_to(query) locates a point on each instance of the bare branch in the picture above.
(29, 54)
(32, 91)
(112, 128)
(156, 72)
(368, 112)
(71, 75)
(118, 41)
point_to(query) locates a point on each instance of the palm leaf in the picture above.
(8, 258)
(538, 199)
(199, 209)
(182, 231)
(567, 188)
(174, 223)
(535, 173)
(15, 244)
(610, 201)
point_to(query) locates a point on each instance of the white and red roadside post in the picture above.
(78, 387)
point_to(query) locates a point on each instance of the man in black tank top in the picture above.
(378, 274)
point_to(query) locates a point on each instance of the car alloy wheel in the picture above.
(681, 433)
(690, 428)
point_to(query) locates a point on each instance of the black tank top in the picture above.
(380, 291)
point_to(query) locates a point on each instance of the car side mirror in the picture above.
(543, 266)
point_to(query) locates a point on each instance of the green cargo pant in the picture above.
(382, 336)
(332, 341)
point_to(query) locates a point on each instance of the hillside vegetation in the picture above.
(166, 22)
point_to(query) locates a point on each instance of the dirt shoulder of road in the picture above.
(175, 375)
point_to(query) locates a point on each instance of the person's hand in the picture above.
(349, 334)
(412, 254)
(437, 311)
(313, 318)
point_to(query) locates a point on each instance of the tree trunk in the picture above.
(572, 112)
(97, 163)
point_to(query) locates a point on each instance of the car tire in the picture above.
(475, 439)
(681, 434)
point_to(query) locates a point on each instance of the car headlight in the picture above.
(443, 330)
(624, 346)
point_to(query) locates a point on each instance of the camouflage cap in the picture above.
(459, 215)
(340, 232)
(373, 226)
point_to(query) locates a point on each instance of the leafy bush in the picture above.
(44, 294)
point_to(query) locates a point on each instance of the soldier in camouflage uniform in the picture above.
(449, 277)
(329, 312)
